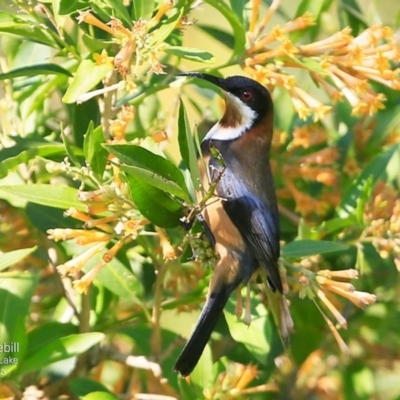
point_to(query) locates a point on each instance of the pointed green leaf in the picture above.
(83, 386)
(316, 8)
(238, 6)
(60, 349)
(95, 153)
(69, 149)
(120, 11)
(334, 224)
(154, 204)
(34, 70)
(225, 38)
(9, 160)
(257, 336)
(166, 28)
(86, 77)
(187, 389)
(100, 396)
(187, 146)
(57, 196)
(151, 169)
(29, 31)
(16, 290)
(143, 9)
(119, 280)
(41, 335)
(374, 171)
(155, 180)
(69, 7)
(310, 64)
(238, 29)
(115, 276)
(191, 54)
(12, 257)
(305, 248)
(202, 376)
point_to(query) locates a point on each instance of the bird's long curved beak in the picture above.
(220, 82)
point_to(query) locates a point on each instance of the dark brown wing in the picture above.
(258, 225)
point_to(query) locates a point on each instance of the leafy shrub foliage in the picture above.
(99, 279)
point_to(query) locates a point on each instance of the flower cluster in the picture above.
(343, 65)
(307, 158)
(109, 222)
(137, 45)
(314, 377)
(234, 383)
(382, 219)
(183, 279)
(118, 126)
(321, 285)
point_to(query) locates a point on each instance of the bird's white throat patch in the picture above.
(245, 116)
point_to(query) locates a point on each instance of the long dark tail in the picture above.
(209, 316)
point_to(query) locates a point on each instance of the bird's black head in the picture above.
(251, 93)
(248, 103)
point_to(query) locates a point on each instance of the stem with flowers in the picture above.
(99, 170)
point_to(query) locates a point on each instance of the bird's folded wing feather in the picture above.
(256, 223)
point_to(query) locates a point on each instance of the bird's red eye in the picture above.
(246, 95)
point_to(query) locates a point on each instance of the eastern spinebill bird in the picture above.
(244, 219)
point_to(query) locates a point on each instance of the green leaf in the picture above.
(154, 204)
(87, 76)
(166, 29)
(305, 248)
(69, 148)
(192, 54)
(223, 37)
(84, 386)
(143, 9)
(334, 224)
(238, 7)
(120, 11)
(257, 336)
(29, 31)
(10, 160)
(12, 257)
(148, 177)
(95, 153)
(115, 276)
(60, 349)
(312, 6)
(47, 195)
(374, 171)
(16, 290)
(120, 281)
(310, 64)
(147, 112)
(34, 70)
(100, 396)
(203, 375)
(69, 7)
(101, 10)
(187, 146)
(187, 390)
(40, 336)
(363, 199)
(44, 217)
(316, 8)
(351, 15)
(151, 169)
(82, 114)
(237, 27)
